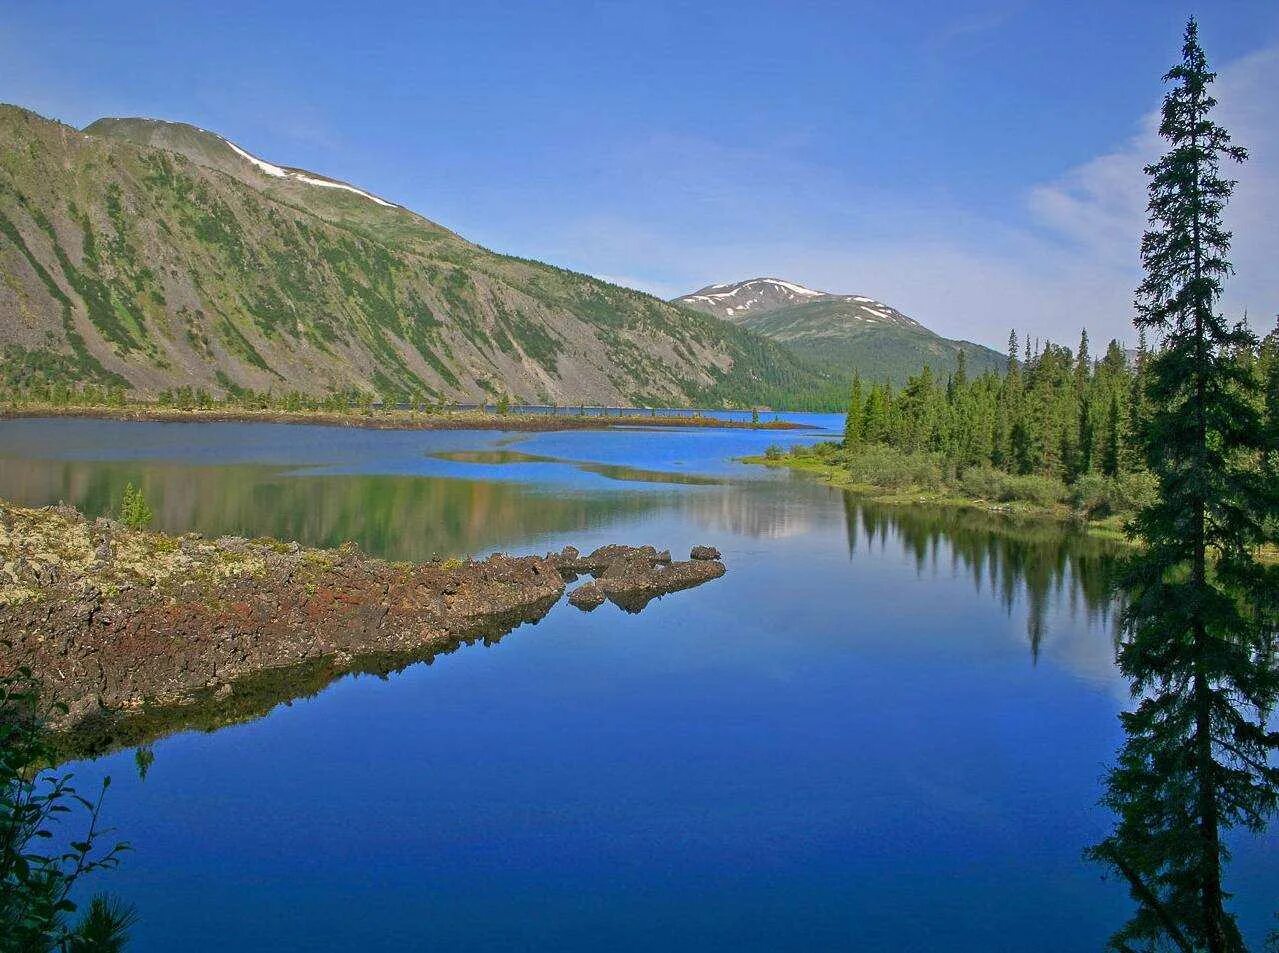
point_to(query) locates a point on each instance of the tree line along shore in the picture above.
(1057, 435)
(377, 417)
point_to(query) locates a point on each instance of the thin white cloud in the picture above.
(1100, 206)
(1070, 259)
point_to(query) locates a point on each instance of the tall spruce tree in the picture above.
(853, 420)
(1199, 626)
(1112, 454)
(1083, 362)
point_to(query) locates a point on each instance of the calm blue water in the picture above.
(882, 730)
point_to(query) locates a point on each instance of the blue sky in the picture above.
(976, 164)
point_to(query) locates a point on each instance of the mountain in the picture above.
(844, 333)
(152, 254)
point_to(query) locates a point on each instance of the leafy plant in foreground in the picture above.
(37, 879)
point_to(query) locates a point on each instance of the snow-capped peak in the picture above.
(745, 300)
(744, 295)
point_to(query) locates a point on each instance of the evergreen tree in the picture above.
(1083, 363)
(1087, 437)
(1137, 401)
(1199, 627)
(1114, 364)
(856, 414)
(1112, 454)
(875, 421)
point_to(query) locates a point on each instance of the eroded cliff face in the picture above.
(152, 255)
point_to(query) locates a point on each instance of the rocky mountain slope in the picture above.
(844, 333)
(150, 254)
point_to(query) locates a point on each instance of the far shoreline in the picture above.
(1109, 528)
(392, 419)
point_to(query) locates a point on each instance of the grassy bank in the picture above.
(1098, 504)
(385, 418)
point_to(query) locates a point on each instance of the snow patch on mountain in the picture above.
(280, 172)
(794, 288)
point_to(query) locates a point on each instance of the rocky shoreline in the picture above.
(121, 624)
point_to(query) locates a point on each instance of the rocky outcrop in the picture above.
(631, 577)
(587, 597)
(119, 623)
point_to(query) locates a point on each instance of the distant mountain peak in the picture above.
(754, 296)
(741, 301)
(843, 332)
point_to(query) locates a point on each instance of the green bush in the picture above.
(1039, 490)
(1098, 496)
(1093, 495)
(983, 483)
(883, 466)
(773, 452)
(1137, 490)
(987, 483)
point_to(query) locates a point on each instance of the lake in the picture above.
(883, 729)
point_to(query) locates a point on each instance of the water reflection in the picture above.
(612, 471)
(257, 695)
(1043, 570)
(417, 517)
(851, 647)
(395, 517)
(1047, 565)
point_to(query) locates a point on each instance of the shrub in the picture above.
(773, 452)
(1097, 496)
(1039, 490)
(893, 469)
(135, 513)
(1093, 495)
(987, 483)
(983, 483)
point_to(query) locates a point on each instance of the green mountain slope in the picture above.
(843, 333)
(154, 254)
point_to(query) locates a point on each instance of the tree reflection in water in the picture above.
(1042, 561)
